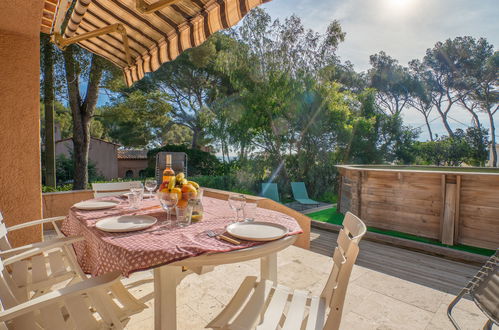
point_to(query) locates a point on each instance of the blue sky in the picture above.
(404, 29)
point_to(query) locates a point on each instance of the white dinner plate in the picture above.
(125, 223)
(95, 205)
(257, 231)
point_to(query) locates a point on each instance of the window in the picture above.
(129, 174)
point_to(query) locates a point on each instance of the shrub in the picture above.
(223, 182)
(199, 162)
(65, 170)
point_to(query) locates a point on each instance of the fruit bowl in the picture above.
(179, 185)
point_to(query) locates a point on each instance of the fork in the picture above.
(211, 233)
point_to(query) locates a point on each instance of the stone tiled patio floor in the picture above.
(390, 288)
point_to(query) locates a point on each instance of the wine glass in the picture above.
(150, 185)
(237, 202)
(168, 201)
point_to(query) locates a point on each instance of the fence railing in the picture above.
(453, 207)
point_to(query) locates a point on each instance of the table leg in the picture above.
(165, 297)
(268, 267)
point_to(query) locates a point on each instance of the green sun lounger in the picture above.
(300, 194)
(269, 190)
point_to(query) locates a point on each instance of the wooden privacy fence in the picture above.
(450, 206)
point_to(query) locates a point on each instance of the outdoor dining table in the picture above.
(172, 252)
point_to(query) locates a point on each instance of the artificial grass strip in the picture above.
(328, 215)
(331, 216)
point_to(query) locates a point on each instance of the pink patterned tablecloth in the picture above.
(103, 252)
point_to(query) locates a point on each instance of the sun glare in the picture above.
(398, 6)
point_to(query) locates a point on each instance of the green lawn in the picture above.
(331, 216)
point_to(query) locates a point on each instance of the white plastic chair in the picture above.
(113, 188)
(267, 305)
(37, 267)
(97, 303)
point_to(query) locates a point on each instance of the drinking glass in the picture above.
(150, 185)
(136, 185)
(184, 215)
(168, 201)
(237, 202)
(133, 200)
(137, 189)
(138, 193)
(250, 212)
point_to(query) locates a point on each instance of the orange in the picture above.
(189, 192)
(182, 203)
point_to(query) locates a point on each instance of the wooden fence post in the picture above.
(457, 206)
(450, 209)
(340, 188)
(359, 195)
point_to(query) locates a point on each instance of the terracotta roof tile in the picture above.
(132, 154)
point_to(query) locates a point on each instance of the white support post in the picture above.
(268, 267)
(165, 297)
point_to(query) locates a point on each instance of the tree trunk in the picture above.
(48, 100)
(492, 139)
(428, 125)
(82, 111)
(195, 137)
(475, 118)
(446, 123)
(81, 146)
(473, 113)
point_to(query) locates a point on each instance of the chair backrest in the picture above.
(344, 258)
(7, 297)
(113, 188)
(299, 190)
(354, 227)
(484, 288)
(63, 313)
(179, 163)
(270, 191)
(4, 241)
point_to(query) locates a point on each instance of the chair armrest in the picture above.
(92, 284)
(38, 245)
(34, 223)
(41, 247)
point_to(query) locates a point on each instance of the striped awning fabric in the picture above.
(53, 14)
(48, 15)
(153, 38)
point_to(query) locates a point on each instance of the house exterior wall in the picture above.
(103, 154)
(20, 180)
(134, 165)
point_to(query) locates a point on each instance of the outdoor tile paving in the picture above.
(377, 298)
